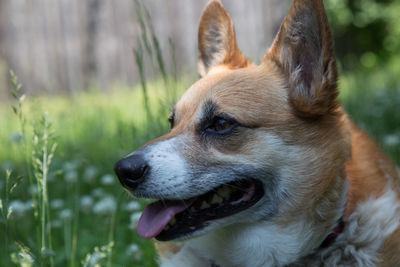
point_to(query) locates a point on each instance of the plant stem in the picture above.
(75, 225)
(5, 211)
(44, 188)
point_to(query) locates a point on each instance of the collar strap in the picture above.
(338, 229)
(331, 238)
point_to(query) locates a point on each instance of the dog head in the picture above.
(247, 143)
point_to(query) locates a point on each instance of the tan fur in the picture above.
(165, 250)
(304, 30)
(390, 251)
(294, 98)
(217, 40)
(370, 171)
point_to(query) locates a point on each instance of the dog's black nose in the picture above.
(131, 170)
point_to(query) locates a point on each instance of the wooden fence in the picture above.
(70, 45)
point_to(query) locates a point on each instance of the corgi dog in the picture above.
(262, 166)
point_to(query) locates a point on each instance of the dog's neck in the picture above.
(338, 229)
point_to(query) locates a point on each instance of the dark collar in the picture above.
(331, 238)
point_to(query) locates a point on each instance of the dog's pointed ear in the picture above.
(217, 40)
(303, 49)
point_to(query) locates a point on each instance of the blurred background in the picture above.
(72, 45)
(93, 80)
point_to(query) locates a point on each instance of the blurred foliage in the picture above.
(367, 46)
(366, 32)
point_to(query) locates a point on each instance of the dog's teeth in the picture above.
(216, 199)
(224, 192)
(204, 205)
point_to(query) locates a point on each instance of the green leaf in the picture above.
(19, 179)
(9, 212)
(15, 110)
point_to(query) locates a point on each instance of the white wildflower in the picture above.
(8, 165)
(95, 258)
(392, 140)
(132, 206)
(105, 206)
(107, 179)
(18, 208)
(56, 223)
(71, 176)
(89, 175)
(23, 258)
(98, 192)
(86, 203)
(33, 190)
(134, 250)
(134, 218)
(70, 165)
(66, 214)
(57, 203)
(29, 205)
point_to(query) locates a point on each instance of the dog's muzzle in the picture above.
(131, 171)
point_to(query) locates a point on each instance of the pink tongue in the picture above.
(156, 216)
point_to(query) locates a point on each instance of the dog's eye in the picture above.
(221, 126)
(171, 119)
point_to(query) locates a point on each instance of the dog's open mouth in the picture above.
(171, 219)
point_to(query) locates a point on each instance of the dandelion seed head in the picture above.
(57, 203)
(132, 206)
(134, 218)
(18, 208)
(66, 214)
(56, 223)
(392, 140)
(107, 179)
(98, 192)
(134, 250)
(89, 175)
(105, 206)
(71, 176)
(29, 204)
(70, 166)
(33, 190)
(86, 203)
